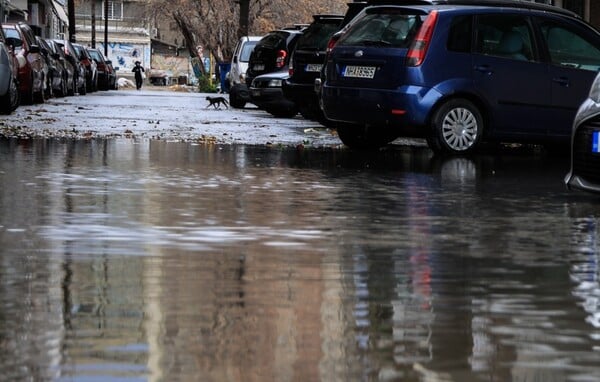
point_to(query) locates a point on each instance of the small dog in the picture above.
(216, 102)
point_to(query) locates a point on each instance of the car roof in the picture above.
(484, 3)
(326, 17)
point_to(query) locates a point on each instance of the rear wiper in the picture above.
(375, 43)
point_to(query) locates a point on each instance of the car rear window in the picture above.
(387, 28)
(274, 40)
(316, 36)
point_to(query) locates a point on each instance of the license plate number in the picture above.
(596, 142)
(259, 67)
(313, 67)
(359, 71)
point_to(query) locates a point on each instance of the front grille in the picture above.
(585, 163)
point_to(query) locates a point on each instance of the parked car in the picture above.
(266, 93)
(460, 75)
(91, 69)
(72, 57)
(112, 75)
(238, 89)
(9, 71)
(104, 72)
(272, 52)
(31, 62)
(307, 62)
(584, 173)
(64, 84)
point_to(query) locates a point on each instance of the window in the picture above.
(569, 48)
(115, 10)
(459, 36)
(506, 36)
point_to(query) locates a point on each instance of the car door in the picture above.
(509, 75)
(573, 53)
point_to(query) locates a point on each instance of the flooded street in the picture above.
(125, 260)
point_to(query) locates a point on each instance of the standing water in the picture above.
(123, 260)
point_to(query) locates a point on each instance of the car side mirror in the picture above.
(14, 42)
(116, 68)
(34, 49)
(235, 60)
(108, 62)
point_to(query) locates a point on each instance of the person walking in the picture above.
(138, 69)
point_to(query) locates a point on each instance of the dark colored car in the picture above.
(459, 75)
(79, 69)
(272, 53)
(112, 75)
(104, 71)
(585, 144)
(307, 62)
(91, 69)
(266, 93)
(31, 62)
(9, 90)
(64, 84)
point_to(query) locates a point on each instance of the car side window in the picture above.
(567, 47)
(459, 35)
(508, 36)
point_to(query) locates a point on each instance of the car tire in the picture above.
(363, 137)
(83, 89)
(235, 100)
(11, 100)
(456, 128)
(29, 96)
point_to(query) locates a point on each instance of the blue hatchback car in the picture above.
(459, 74)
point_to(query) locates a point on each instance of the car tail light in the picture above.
(280, 61)
(332, 41)
(291, 68)
(418, 49)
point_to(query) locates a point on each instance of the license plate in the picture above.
(255, 93)
(313, 67)
(596, 142)
(359, 71)
(259, 67)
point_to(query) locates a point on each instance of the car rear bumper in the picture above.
(406, 108)
(266, 98)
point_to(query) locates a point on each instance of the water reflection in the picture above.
(165, 261)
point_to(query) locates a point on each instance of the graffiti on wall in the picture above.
(125, 55)
(175, 66)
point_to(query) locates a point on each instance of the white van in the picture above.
(238, 90)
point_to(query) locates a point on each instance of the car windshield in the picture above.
(317, 35)
(247, 50)
(95, 55)
(383, 29)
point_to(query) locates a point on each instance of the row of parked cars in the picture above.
(456, 73)
(33, 69)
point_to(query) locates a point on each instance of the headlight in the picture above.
(274, 84)
(595, 90)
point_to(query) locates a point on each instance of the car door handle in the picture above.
(485, 69)
(562, 81)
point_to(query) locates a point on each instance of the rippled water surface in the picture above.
(156, 261)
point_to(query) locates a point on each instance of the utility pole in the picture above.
(105, 28)
(93, 8)
(71, 12)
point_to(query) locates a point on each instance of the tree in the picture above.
(215, 25)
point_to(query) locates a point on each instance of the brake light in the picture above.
(332, 41)
(291, 67)
(280, 61)
(418, 49)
